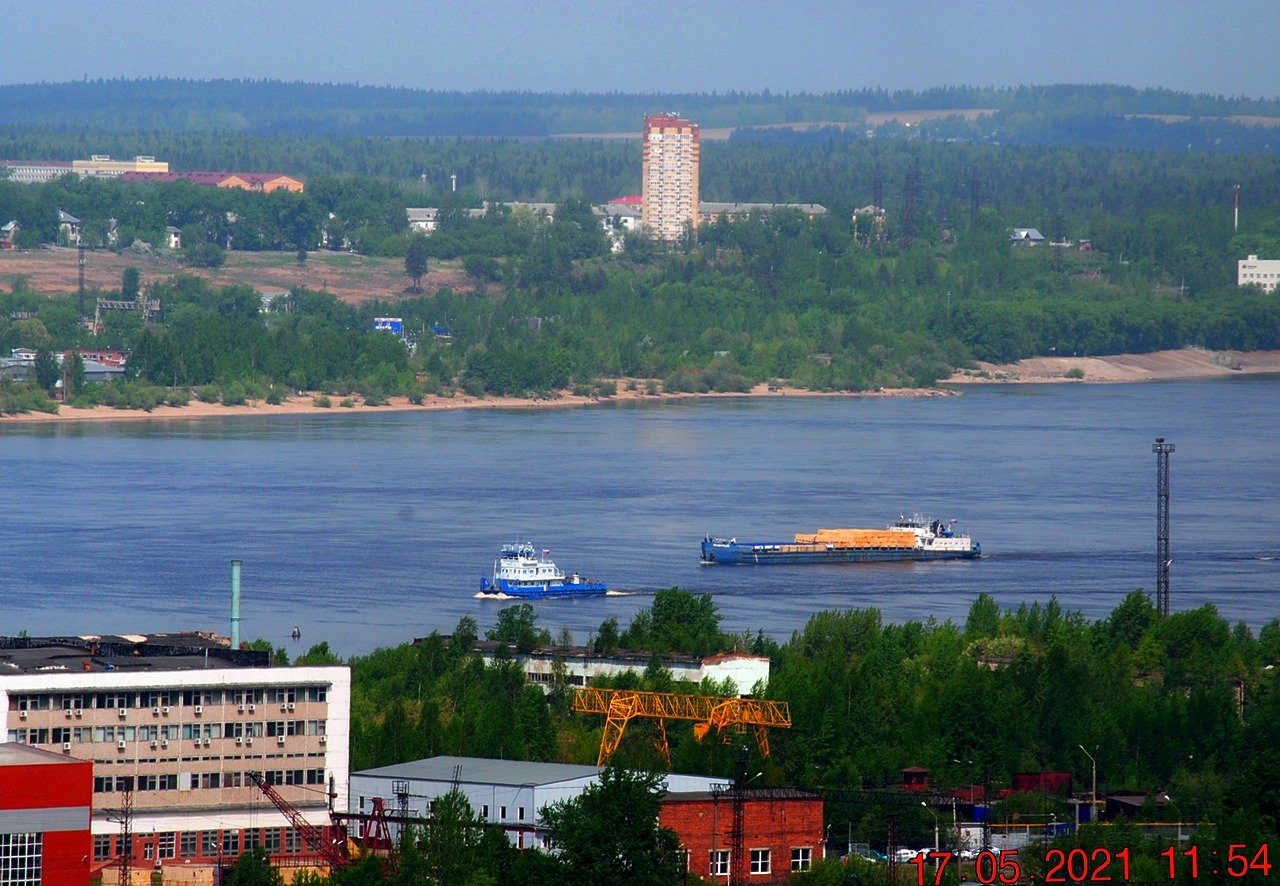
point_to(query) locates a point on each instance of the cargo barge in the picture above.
(908, 539)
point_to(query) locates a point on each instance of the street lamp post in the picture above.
(1093, 795)
(936, 847)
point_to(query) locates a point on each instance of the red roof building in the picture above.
(248, 181)
(45, 807)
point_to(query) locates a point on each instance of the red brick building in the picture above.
(45, 801)
(781, 831)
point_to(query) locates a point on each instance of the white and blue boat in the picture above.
(520, 572)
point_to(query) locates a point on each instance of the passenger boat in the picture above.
(909, 538)
(520, 572)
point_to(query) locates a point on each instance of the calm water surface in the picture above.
(367, 529)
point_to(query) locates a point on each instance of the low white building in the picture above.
(510, 793)
(1254, 271)
(579, 665)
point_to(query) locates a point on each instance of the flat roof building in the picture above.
(1254, 271)
(180, 720)
(669, 176)
(509, 793)
(578, 665)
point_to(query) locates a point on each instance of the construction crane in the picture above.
(619, 706)
(334, 853)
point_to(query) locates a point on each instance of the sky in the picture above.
(1227, 47)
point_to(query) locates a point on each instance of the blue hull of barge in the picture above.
(502, 587)
(767, 553)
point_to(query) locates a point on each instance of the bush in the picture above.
(234, 394)
(205, 255)
(323, 402)
(178, 397)
(375, 399)
(208, 394)
(274, 397)
(651, 388)
(347, 403)
(607, 389)
(1074, 372)
(583, 391)
(416, 398)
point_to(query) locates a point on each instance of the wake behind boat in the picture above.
(520, 572)
(910, 538)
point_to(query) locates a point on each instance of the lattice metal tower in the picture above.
(1162, 451)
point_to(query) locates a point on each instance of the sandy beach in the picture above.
(1160, 366)
(1184, 363)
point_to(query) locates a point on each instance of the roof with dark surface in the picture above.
(190, 650)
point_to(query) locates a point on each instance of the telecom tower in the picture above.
(1162, 451)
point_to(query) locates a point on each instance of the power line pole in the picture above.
(1163, 559)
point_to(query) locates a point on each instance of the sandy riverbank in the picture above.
(1160, 366)
(307, 405)
(1185, 363)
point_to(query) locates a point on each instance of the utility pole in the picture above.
(1093, 795)
(80, 260)
(124, 851)
(737, 839)
(1163, 559)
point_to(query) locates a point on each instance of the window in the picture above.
(231, 843)
(520, 815)
(502, 814)
(165, 842)
(20, 856)
(760, 861)
(719, 866)
(317, 693)
(801, 858)
(271, 840)
(211, 843)
(101, 847)
(187, 846)
(484, 812)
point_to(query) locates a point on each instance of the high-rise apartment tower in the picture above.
(670, 176)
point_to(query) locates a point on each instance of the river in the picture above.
(369, 529)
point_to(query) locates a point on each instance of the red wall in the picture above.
(47, 786)
(778, 824)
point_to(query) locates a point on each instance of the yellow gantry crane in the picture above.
(706, 711)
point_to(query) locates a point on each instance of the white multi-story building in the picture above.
(669, 176)
(180, 720)
(1254, 271)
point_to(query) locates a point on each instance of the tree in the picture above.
(518, 625)
(254, 868)
(415, 260)
(46, 369)
(129, 284)
(610, 834)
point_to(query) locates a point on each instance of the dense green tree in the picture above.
(518, 626)
(415, 260)
(609, 834)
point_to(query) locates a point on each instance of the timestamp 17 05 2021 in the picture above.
(1100, 865)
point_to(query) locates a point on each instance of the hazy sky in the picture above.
(1216, 46)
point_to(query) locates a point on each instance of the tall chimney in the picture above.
(235, 604)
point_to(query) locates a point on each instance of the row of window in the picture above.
(166, 732)
(190, 781)
(161, 698)
(761, 861)
(190, 844)
(20, 859)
